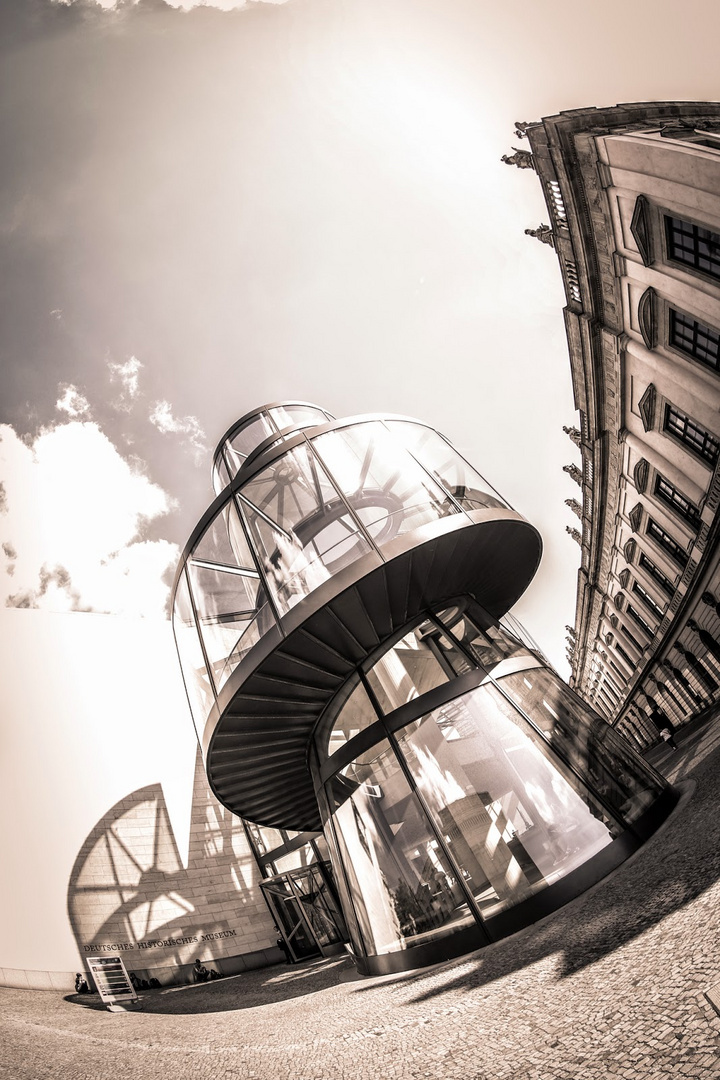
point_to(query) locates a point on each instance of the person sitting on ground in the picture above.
(200, 972)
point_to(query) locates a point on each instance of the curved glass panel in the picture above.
(244, 441)
(595, 750)
(192, 662)
(386, 488)
(301, 528)
(295, 860)
(404, 891)
(297, 416)
(356, 714)
(407, 670)
(264, 837)
(229, 598)
(512, 820)
(443, 462)
(220, 475)
(490, 646)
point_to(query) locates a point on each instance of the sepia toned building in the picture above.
(633, 194)
(422, 783)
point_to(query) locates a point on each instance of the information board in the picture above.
(111, 979)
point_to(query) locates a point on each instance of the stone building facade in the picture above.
(633, 194)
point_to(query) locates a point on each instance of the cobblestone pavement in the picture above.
(609, 988)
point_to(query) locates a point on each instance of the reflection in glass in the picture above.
(319, 906)
(265, 838)
(220, 475)
(596, 751)
(244, 442)
(405, 671)
(300, 526)
(388, 491)
(295, 860)
(443, 462)
(297, 416)
(490, 646)
(512, 821)
(409, 893)
(356, 714)
(192, 663)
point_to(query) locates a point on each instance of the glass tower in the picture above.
(340, 614)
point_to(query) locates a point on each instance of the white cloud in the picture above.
(128, 375)
(72, 402)
(70, 533)
(167, 424)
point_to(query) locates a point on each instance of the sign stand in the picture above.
(111, 978)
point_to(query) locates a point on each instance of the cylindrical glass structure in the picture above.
(316, 500)
(342, 620)
(486, 782)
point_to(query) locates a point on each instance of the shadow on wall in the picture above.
(130, 895)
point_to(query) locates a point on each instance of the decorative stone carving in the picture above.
(646, 407)
(640, 228)
(640, 475)
(522, 158)
(574, 533)
(571, 630)
(636, 516)
(624, 578)
(575, 507)
(573, 434)
(521, 127)
(543, 233)
(614, 621)
(574, 473)
(619, 601)
(629, 550)
(648, 318)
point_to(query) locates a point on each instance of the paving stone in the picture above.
(612, 987)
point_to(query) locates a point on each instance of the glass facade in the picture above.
(475, 804)
(319, 505)
(342, 621)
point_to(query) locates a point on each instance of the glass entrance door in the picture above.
(305, 911)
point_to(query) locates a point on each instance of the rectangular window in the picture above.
(621, 652)
(610, 692)
(666, 542)
(674, 498)
(617, 670)
(630, 637)
(656, 574)
(695, 339)
(690, 434)
(637, 617)
(647, 600)
(693, 245)
(610, 684)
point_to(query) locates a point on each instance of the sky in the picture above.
(204, 208)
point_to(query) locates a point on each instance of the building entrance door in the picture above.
(306, 911)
